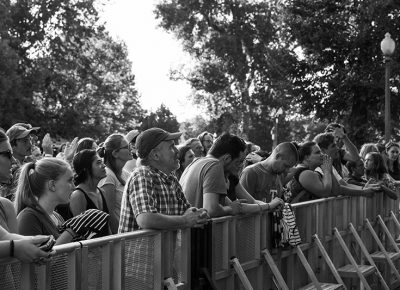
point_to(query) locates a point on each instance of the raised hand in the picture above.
(70, 149)
(47, 144)
(326, 164)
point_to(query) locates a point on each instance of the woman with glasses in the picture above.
(206, 140)
(115, 153)
(131, 164)
(6, 158)
(392, 150)
(8, 218)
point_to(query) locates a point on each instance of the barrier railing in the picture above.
(137, 260)
(143, 259)
(245, 236)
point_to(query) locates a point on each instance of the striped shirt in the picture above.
(150, 190)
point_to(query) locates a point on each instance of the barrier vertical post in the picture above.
(105, 267)
(117, 264)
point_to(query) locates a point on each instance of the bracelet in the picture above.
(260, 207)
(269, 207)
(12, 248)
(71, 232)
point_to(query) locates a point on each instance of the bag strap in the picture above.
(297, 197)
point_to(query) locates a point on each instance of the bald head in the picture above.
(283, 157)
(286, 150)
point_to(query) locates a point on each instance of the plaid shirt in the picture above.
(150, 190)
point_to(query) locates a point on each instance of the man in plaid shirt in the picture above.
(153, 199)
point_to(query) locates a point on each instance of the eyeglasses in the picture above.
(7, 153)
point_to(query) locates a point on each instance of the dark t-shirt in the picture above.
(299, 193)
(233, 181)
(32, 221)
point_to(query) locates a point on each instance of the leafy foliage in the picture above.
(341, 75)
(320, 59)
(71, 78)
(161, 118)
(241, 62)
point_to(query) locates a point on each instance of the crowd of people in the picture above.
(146, 180)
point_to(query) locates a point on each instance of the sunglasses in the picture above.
(125, 147)
(7, 153)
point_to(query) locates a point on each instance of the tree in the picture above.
(340, 75)
(73, 78)
(161, 118)
(242, 63)
(194, 127)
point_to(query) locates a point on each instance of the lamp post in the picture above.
(274, 131)
(387, 47)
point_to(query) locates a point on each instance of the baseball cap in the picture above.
(130, 137)
(18, 132)
(28, 126)
(150, 138)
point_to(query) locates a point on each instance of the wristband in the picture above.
(71, 232)
(12, 248)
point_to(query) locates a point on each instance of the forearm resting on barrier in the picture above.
(211, 202)
(191, 218)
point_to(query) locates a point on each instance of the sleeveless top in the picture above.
(90, 205)
(296, 188)
(65, 211)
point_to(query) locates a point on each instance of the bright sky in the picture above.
(153, 53)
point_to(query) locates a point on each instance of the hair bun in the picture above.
(101, 151)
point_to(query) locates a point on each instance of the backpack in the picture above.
(289, 233)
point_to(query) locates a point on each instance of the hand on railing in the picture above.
(237, 207)
(196, 217)
(371, 190)
(27, 250)
(276, 202)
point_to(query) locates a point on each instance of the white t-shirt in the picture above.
(112, 179)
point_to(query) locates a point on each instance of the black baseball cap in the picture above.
(150, 138)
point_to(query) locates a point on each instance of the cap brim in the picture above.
(34, 129)
(131, 136)
(173, 136)
(23, 134)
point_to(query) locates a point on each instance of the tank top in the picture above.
(90, 205)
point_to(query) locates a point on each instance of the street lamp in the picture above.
(274, 131)
(387, 47)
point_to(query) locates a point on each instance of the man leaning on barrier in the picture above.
(153, 197)
(205, 181)
(264, 180)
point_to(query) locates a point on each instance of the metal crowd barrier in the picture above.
(200, 258)
(137, 260)
(244, 237)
